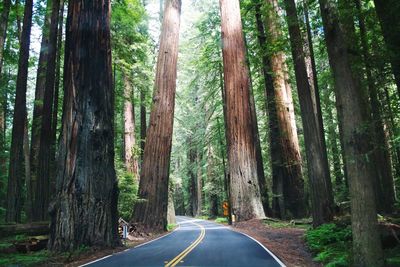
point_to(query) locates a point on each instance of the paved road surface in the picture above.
(195, 243)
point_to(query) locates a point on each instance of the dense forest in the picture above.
(288, 110)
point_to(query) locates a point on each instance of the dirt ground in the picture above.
(286, 243)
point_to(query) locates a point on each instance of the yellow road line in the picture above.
(183, 254)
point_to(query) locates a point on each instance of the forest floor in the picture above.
(285, 240)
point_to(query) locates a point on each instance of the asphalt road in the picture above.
(195, 243)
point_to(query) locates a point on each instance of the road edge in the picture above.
(259, 243)
(139, 245)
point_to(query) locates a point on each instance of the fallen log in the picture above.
(29, 229)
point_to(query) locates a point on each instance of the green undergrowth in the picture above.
(171, 226)
(331, 243)
(24, 259)
(221, 220)
(9, 256)
(287, 224)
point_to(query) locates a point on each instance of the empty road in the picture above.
(195, 243)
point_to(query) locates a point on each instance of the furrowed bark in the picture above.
(151, 214)
(85, 208)
(367, 248)
(245, 197)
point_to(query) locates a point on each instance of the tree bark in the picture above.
(288, 184)
(317, 162)
(153, 187)
(85, 208)
(16, 170)
(245, 197)
(131, 163)
(42, 192)
(143, 126)
(38, 105)
(388, 12)
(367, 248)
(199, 184)
(56, 96)
(3, 29)
(381, 149)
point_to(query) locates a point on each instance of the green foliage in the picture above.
(331, 243)
(128, 188)
(171, 226)
(221, 220)
(28, 259)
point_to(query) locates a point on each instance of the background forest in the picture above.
(321, 148)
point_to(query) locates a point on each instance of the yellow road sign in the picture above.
(225, 207)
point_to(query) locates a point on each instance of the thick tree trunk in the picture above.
(270, 106)
(38, 104)
(171, 218)
(381, 149)
(257, 144)
(85, 208)
(3, 31)
(388, 13)
(42, 192)
(245, 197)
(131, 163)
(318, 168)
(16, 170)
(288, 182)
(153, 187)
(367, 248)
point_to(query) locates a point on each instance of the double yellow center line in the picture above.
(183, 254)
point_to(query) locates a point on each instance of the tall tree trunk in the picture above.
(288, 183)
(191, 157)
(85, 209)
(56, 94)
(143, 126)
(131, 163)
(38, 104)
(367, 248)
(317, 162)
(388, 12)
(381, 149)
(312, 70)
(16, 170)
(245, 197)
(3, 29)
(199, 184)
(42, 192)
(153, 186)
(257, 143)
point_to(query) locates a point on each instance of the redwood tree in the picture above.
(288, 184)
(244, 188)
(367, 248)
(17, 169)
(85, 209)
(151, 213)
(317, 160)
(42, 191)
(131, 163)
(388, 13)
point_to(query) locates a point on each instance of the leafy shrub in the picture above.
(331, 243)
(221, 220)
(128, 188)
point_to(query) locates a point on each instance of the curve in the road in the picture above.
(195, 243)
